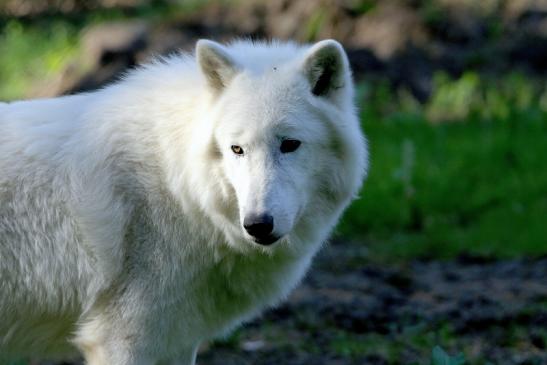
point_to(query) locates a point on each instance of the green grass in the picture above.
(32, 55)
(476, 184)
(33, 52)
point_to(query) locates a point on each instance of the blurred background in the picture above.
(443, 259)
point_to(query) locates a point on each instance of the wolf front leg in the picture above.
(105, 340)
(122, 352)
(101, 354)
(117, 338)
(185, 357)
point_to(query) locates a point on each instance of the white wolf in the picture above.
(164, 210)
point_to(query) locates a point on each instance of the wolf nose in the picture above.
(260, 227)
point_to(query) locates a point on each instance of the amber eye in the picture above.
(289, 145)
(237, 150)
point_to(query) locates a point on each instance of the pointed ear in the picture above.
(216, 64)
(327, 69)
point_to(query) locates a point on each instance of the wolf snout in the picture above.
(261, 228)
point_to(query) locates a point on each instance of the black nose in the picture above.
(260, 227)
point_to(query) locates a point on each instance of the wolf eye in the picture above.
(289, 145)
(237, 150)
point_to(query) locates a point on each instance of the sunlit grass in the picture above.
(32, 53)
(30, 56)
(475, 183)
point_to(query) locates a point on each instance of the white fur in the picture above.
(121, 210)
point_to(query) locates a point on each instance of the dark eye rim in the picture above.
(289, 145)
(237, 149)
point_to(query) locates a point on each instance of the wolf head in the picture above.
(285, 135)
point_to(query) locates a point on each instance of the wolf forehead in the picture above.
(266, 102)
(276, 110)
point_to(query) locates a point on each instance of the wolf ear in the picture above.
(327, 69)
(216, 64)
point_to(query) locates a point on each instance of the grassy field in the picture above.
(463, 173)
(33, 55)
(34, 51)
